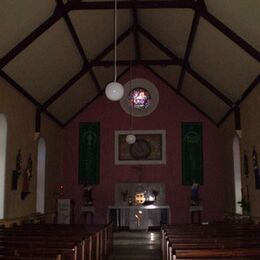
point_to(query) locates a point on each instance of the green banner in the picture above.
(192, 153)
(89, 146)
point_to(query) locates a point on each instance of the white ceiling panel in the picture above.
(47, 64)
(203, 98)
(241, 16)
(97, 31)
(82, 92)
(223, 63)
(169, 73)
(169, 26)
(20, 18)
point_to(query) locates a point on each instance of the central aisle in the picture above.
(139, 245)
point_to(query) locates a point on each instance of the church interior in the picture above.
(128, 120)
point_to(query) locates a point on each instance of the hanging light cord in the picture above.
(132, 101)
(115, 42)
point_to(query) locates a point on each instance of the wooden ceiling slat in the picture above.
(85, 69)
(34, 35)
(181, 95)
(191, 38)
(13, 83)
(254, 83)
(83, 108)
(230, 34)
(134, 4)
(250, 88)
(209, 86)
(187, 66)
(91, 101)
(77, 42)
(62, 11)
(21, 90)
(159, 45)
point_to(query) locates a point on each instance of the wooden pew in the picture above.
(96, 237)
(217, 253)
(101, 235)
(6, 257)
(210, 237)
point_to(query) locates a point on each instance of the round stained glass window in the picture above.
(139, 98)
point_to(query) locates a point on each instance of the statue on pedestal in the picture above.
(195, 200)
(88, 201)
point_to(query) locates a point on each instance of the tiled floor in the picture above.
(139, 245)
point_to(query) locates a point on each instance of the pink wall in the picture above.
(171, 111)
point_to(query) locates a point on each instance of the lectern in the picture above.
(65, 211)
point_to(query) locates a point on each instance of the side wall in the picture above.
(250, 124)
(20, 114)
(171, 111)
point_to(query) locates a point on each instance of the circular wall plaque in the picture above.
(141, 149)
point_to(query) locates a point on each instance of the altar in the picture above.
(139, 206)
(139, 217)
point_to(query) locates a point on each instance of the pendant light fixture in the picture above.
(114, 91)
(131, 138)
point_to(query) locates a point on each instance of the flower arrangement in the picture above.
(245, 203)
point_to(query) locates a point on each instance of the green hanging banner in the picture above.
(192, 153)
(89, 146)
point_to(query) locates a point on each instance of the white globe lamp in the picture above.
(130, 139)
(114, 91)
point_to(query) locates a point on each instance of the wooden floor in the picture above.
(139, 245)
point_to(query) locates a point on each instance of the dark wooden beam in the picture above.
(136, 36)
(187, 67)
(34, 34)
(251, 87)
(92, 100)
(72, 31)
(53, 118)
(159, 45)
(14, 84)
(192, 34)
(209, 86)
(85, 69)
(77, 42)
(21, 90)
(237, 118)
(182, 96)
(82, 109)
(38, 121)
(136, 4)
(108, 63)
(230, 34)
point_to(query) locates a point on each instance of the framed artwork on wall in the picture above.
(149, 147)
